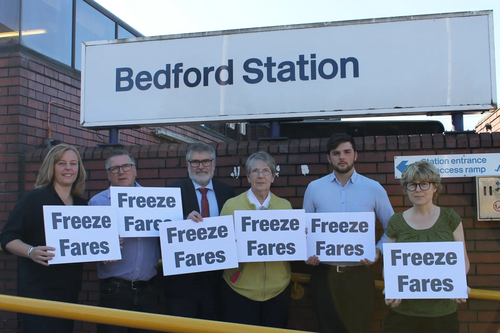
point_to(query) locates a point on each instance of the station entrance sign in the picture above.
(463, 165)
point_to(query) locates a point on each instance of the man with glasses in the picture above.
(129, 283)
(343, 292)
(197, 295)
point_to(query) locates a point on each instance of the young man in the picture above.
(344, 292)
(129, 283)
(197, 295)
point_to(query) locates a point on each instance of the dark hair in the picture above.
(337, 139)
(119, 152)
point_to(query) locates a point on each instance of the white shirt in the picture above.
(253, 199)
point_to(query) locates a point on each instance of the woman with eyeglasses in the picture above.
(60, 181)
(424, 222)
(256, 293)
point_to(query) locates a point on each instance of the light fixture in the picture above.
(23, 33)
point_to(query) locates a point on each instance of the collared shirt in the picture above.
(253, 199)
(360, 194)
(212, 200)
(140, 255)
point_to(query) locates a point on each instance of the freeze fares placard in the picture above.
(188, 246)
(424, 270)
(140, 210)
(81, 233)
(270, 235)
(341, 236)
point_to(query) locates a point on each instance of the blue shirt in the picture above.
(140, 255)
(360, 194)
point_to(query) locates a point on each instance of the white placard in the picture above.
(433, 270)
(140, 210)
(81, 233)
(316, 70)
(270, 235)
(189, 247)
(334, 237)
(458, 165)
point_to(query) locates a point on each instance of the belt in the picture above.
(133, 285)
(347, 269)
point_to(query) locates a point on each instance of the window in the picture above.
(47, 26)
(9, 22)
(91, 25)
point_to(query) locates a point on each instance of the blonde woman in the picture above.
(61, 181)
(424, 222)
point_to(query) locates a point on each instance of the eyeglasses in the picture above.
(264, 172)
(424, 186)
(125, 167)
(196, 163)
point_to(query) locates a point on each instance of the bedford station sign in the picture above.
(395, 66)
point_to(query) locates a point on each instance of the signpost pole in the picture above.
(457, 120)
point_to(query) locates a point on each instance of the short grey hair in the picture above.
(119, 152)
(261, 156)
(200, 147)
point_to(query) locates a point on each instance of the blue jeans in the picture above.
(116, 295)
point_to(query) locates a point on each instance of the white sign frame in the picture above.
(92, 231)
(170, 251)
(233, 80)
(344, 221)
(154, 211)
(456, 165)
(422, 271)
(250, 240)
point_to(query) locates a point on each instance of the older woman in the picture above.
(61, 181)
(256, 293)
(424, 222)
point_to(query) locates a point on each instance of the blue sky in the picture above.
(164, 17)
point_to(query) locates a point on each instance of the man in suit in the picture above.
(197, 295)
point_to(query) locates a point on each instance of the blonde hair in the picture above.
(46, 173)
(421, 171)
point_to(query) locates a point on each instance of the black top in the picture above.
(190, 285)
(223, 192)
(26, 223)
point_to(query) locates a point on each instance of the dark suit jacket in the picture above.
(189, 201)
(189, 285)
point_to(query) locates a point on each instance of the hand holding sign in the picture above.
(341, 237)
(189, 247)
(80, 234)
(270, 235)
(41, 254)
(140, 210)
(436, 272)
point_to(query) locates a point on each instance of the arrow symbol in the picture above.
(402, 166)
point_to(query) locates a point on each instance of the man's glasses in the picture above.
(196, 163)
(424, 186)
(125, 167)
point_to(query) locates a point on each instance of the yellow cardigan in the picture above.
(258, 281)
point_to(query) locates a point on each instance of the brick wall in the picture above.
(490, 123)
(30, 87)
(158, 165)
